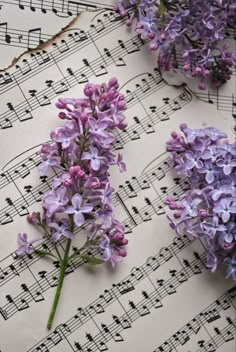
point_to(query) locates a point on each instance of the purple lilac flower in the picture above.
(94, 157)
(55, 201)
(207, 210)
(192, 161)
(212, 226)
(25, 246)
(209, 170)
(82, 152)
(231, 267)
(225, 208)
(78, 210)
(60, 229)
(187, 34)
(228, 163)
(121, 164)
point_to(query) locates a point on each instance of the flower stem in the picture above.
(60, 284)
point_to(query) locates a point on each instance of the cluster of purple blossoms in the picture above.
(81, 153)
(187, 33)
(208, 210)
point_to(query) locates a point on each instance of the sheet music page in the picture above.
(161, 297)
(27, 24)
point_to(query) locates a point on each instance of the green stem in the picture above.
(162, 8)
(60, 284)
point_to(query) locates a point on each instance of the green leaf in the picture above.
(91, 260)
(162, 7)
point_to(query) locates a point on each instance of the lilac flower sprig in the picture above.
(208, 210)
(187, 33)
(81, 153)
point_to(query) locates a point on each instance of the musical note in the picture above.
(4, 30)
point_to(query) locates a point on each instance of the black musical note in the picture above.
(6, 35)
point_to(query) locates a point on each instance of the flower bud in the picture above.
(83, 117)
(174, 134)
(202, 86)
(34, 218)
(122, 252)
(163, 36)
(89, 90)
(203, 213)
(113, 83)
(118, 237)
(186, 67)
(73, 170)
(183, 126)
(153, 46)
(198, 70)
(95, 183)
(81, 174)
(67, 182)
(45, 149)
(62, 115)
(60, 104)
(124, 241)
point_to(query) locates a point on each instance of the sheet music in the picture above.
(25, 25)
(161, 297)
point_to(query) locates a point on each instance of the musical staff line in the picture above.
(60, 7)
(23, 111)
(21, 38)
(223, 102)
(162, 289)
(222, 336)
(42, 60)
(206, 316)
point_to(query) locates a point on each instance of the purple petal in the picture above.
(189, 155)
(92, 122)
(225, 216)
(70, 210)
(20, 250)
(86, 208)
(95, 164)
(68, 234)
(77, 201)
(210, 177)
(227, 169)
(78, 218)
(190, 164)
(228, 238)
(94, 150)
(106, 254)
(86, 156)
(54, 225)
(56, 236)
